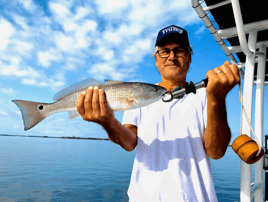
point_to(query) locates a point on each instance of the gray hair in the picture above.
(190, 49)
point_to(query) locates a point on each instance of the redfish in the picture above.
(120, 96)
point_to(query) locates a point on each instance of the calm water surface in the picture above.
(44, 169)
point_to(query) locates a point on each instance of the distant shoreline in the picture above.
(66, 137)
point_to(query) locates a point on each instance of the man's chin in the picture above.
(173, 68)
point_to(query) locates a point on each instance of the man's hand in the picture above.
(92, 106)
(221, 80)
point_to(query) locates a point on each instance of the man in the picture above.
(173, 140)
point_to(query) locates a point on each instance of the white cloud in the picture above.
(58, 84)
(131, 50)
(59, 10)
(200, 30)
(111, 6)
(144, 44)
(112, 37)
(65, 43)
(88, 25)
(12, 70)
(14, 61)
(101, 70)
(7, 91)
(7, 31)
(34, 82)
(3, 113)
(45, 58)
(82, 12)
(22, 47)
(38, 82)
(21, 21)
(69, 26)
(28, 4)
(108, 55)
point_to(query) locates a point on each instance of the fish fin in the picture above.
(76, 87)
(126, 108)
(112, 81)
(131, 100)
(136, 101)
(32, 112)
(73, 114)
(123, 112)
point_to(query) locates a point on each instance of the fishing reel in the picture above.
(179, 92)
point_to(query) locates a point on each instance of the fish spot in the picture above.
(41, 107)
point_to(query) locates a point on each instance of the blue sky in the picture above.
(46, 46)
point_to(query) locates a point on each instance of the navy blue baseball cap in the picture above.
(175, 33)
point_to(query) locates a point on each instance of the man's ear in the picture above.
(156, 62)
(190, 59)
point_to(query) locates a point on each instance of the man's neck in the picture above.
(170, 85)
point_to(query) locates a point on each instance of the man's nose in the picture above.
(172, 55)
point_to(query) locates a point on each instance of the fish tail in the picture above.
(32, 112)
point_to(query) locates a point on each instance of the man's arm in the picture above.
(93, 107)
(218, 135)
(124, 135)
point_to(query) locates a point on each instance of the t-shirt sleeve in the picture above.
(205, 110)
(130, 117)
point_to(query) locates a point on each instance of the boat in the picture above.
(240, 27)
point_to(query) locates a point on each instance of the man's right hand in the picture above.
(92, 106)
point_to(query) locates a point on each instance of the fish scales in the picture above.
(66, 103)
(119, 95)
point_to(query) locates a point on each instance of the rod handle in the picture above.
(205, 82)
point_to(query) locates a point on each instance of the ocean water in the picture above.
(48, 169)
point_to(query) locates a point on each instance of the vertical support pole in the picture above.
(245, 182)
(259, 120)
(265, 167)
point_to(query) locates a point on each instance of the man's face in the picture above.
(173, 67)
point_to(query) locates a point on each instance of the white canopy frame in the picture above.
(248, 190)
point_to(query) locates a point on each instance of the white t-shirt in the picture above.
(171, 163)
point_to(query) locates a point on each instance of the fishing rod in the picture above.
(190, 87)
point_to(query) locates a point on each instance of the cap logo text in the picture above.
(172, 29)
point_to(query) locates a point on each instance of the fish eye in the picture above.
(155, 89)
(41, 107)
